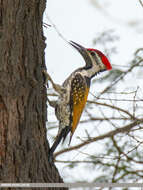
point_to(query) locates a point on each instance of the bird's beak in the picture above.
(83, 51)
(80, 48)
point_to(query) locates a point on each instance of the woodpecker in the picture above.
(73, 93)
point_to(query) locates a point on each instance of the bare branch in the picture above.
(124, 129)
(113, 107)
(104, 119)
(141, 3)
(120, 78)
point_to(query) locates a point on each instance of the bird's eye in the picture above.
(92, 53)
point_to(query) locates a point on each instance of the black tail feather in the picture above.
(62, 134)
(65, 133)
(70, 138)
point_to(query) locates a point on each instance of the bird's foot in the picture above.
(47, 77)
(58, 88)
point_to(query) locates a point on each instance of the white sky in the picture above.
(80, 21)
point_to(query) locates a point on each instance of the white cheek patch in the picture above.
(96, 60)
(97, 66)
(90, 72)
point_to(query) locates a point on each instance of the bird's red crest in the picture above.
(103, 58)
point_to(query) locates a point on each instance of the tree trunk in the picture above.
(23, 143)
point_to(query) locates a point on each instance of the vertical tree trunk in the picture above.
(23, 144)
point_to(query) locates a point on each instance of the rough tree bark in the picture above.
(23, 144)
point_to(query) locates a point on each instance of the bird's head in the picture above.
(93, 58)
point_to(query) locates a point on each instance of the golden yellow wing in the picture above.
(79, 94)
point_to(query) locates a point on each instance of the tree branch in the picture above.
(109, 134)
(141, 3)
(113, 107)
(120, 77)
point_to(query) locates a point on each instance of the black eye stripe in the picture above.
(93, 53)
(96, 57)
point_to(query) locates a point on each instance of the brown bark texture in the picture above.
(23, 111)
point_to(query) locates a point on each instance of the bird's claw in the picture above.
(47, 76)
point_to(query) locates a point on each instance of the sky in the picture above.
(82, 21)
